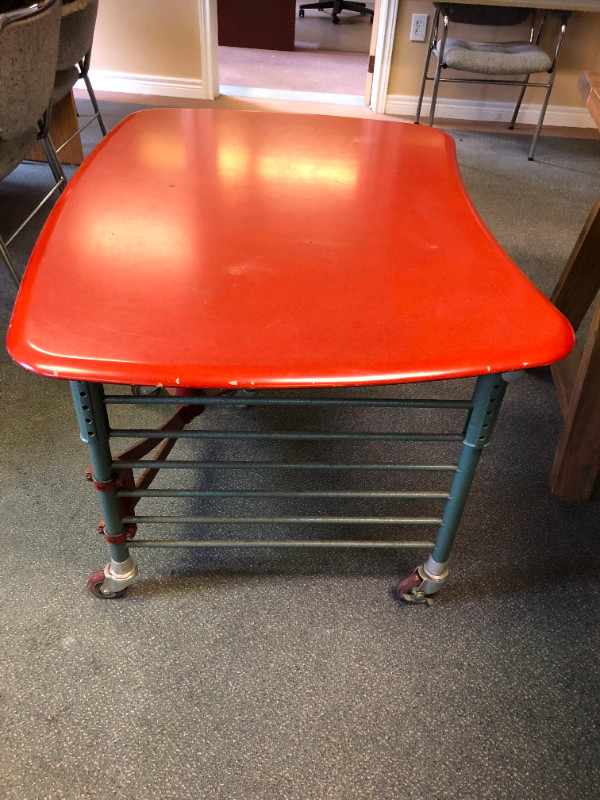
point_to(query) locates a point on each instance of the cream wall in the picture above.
(581, 50)
(162, 38)
(148, 37)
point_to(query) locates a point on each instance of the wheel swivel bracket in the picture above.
(430, 584)
(118, 575)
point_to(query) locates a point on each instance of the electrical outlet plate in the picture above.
(418, 27)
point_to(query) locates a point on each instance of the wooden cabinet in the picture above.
(262, 24)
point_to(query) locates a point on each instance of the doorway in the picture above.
(301, 55)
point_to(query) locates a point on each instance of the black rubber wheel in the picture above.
(301, 13)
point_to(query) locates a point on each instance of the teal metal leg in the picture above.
(93, 426)
(487, 399)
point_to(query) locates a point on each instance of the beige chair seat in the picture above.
(495, 58)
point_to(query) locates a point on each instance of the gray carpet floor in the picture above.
(276, 675)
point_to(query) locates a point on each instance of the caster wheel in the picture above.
(406, 584)
(301, 13)
(335, 20)
(94, 585)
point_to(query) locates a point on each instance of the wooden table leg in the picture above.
(63, 124)
(577, 460)
(580, 280)
(577, 378)
(589, 89)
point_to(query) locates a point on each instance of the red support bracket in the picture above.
(105, 486)
(129, 531)
(118, 482)
(124, 478)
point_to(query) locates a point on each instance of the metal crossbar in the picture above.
(292, 520)
(221, 493)
(56, 188)
(117, 399)
(295, 543)
(188, 464)
(172, 430)
(143, 433)
(78, 132)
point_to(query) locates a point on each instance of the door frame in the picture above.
(386, 28)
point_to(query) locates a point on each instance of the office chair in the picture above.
(514, 61)
(338, 6)
(76, 36)
(28, 52)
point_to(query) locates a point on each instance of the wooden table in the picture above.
(577, 462)
(214, 251)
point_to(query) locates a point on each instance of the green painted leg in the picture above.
(487, 399)
(93, 425)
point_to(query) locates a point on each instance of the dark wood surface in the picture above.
(576, 464)
(577, 460)
(63, 124)
(589, 88)
(261, 24)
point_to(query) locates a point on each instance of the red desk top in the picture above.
(223, 248)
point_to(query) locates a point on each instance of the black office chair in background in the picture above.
(514, 61)
(338, 6)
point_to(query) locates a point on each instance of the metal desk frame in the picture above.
(119, 492)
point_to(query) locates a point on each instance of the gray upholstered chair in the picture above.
(76, 37)
(28, 52)
(506, 63)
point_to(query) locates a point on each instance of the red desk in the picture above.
(243, 250)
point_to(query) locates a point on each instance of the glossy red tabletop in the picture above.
(227, 248)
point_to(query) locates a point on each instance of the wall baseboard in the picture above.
(400, 105)
(561, 116)
(158, 85)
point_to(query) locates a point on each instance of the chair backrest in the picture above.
(484, 15)
(76, 31)
(28, 53)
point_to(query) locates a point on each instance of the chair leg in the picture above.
(438, 70)
(60, 183)
(92, 95)
(518, 106)
(10, 264)
(54, 162)
(559, 43)
(432, 43)
(538, 128)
